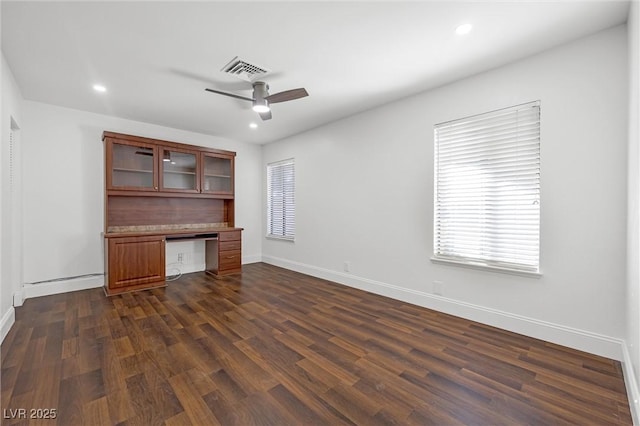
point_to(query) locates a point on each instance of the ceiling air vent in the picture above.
(244, 70)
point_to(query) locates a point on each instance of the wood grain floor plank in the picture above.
(146, 408)
(246, 373)
(352, 403)
(290, 404)
(96, 412)
(599, 411)
(120, 406)
(394, 408)
(226, 413)
(47, 393)
(276, 347)
(180, 419)
(195, 407)
(261, 409)
(329, 366)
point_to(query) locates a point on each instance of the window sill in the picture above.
(275, 237)
(485, 267)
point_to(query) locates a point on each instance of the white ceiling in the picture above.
(156, 58)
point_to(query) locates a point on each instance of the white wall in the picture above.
(10, 237)
(64, 189)
(364, 194)
(633, 217)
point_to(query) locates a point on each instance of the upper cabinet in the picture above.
(141, 164)
(179, 171)
(133, 165)
(217, 174)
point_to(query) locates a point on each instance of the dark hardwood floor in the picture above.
(274, 347)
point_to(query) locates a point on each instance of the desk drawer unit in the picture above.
(224, 256)
(230, 260)
(230, 245)
(229, 236)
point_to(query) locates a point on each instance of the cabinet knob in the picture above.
(155, 187)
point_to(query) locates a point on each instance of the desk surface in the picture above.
(176, 232)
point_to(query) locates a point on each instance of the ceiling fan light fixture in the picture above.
(261, 99)
(261, 105)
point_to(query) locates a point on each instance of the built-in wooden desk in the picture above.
(136, 260)
(157, 191)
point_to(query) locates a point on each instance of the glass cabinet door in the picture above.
(132, 167)
(217, 174)
(179, 170)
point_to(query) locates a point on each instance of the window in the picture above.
(281, 203)
(487, 190)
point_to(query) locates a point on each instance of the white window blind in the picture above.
(487, 189)
(281, 218)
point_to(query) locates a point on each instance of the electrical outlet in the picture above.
(347, 266)
(437, 288)
(180, 257)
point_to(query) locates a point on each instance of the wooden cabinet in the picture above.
(159, 183)
(140, 164)
(131, 165)
(217, 174)
(179, 170)
(135, 263)
(224, 255)
(155, 188)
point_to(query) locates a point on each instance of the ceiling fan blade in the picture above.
(265, 115)
(287, 95)
(244, 98)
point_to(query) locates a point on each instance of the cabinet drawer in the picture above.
(229, 236)
(230, 259)
(230, 245)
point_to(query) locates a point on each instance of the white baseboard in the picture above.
(6, 322)
(184, 268)
(254, 258)
(630, 382)
(65, 286)
(18, 298)
(586, 341)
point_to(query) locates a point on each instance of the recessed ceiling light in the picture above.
(463, 29)
(253, 125)
(99, 88)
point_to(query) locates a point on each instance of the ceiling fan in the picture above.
(262, 99)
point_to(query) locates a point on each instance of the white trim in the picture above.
(583, 340)
(633, 393)
(8, 319)
(486, 267)
(184, 268)
(281, 238)
(18, 298)
(64, 286)
(253, 258)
